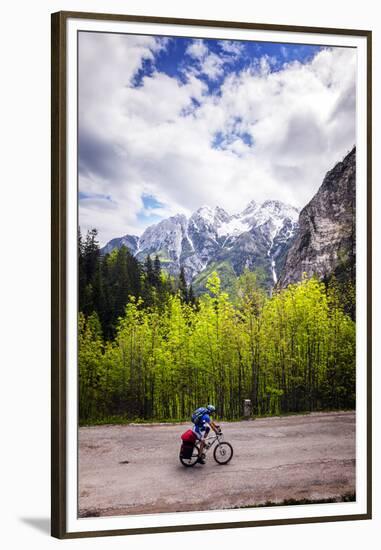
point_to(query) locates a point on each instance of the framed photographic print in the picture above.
(211, 297)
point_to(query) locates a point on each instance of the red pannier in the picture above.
(189, 436)
(188, 439)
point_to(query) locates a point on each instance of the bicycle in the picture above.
(222, 454)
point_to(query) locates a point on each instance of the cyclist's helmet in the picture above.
(211, 408)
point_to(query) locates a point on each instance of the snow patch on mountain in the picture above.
(234, 227)
(258, 236)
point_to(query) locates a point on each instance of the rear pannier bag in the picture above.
(186, 450)
(189, 436)
(188, 439)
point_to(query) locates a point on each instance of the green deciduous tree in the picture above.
(294, 351)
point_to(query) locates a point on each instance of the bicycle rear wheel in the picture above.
(223, 453)
(192, 460)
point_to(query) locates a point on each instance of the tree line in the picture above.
(148, 351)
(107, 281)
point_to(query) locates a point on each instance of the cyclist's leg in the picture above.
(202, 444)
(197, 432)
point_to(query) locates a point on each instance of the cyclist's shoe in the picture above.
(201, 459)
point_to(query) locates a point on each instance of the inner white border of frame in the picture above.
(74, 524)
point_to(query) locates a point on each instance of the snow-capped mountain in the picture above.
(259, 236)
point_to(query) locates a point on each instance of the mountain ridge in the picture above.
(272, 236)
(257, 237)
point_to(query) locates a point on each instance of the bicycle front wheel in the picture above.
(223, 453)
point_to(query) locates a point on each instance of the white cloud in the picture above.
(209, 63)
(197, 49)
(235, 48)
(157, 139)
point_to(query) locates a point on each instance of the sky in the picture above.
(167, 125)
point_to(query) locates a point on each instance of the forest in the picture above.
(149, 349)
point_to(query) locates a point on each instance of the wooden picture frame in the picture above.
(63, 218)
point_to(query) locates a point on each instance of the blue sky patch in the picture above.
(232, 55)
(151, 202)
(147, 69)
(222, 140)
(93, 196)
(147, 215)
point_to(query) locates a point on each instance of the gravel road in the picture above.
(134, 469)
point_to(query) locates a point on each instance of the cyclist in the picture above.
(202, 427)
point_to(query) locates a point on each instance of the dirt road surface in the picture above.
(135, 469)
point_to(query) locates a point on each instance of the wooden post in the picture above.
(247, 409)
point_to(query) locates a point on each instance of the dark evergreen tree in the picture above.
(156, 272)
(106, 312)
(183, 287)
(106, 282)
(122, 284)
(191, 297)
(134, 273)
(81, 272)
(89, 283)
(91, 254)
(148, 268)
(147, 280)
(98, 290)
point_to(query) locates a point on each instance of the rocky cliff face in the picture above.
(325, 241)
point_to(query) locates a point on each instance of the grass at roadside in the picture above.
(348, 497)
